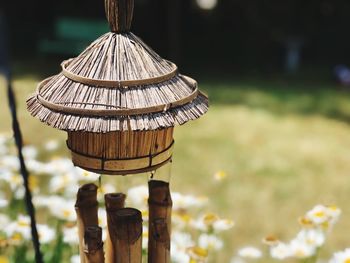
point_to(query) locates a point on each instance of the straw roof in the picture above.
(117, 84)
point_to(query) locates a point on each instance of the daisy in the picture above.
(250, 252)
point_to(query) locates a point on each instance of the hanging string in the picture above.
(24, 171)
(5, 69)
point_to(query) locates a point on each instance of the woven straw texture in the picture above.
(117, 84)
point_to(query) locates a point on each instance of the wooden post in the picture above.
(93, 245)
(113, 202)
(125, 230)
(160, 205)
(86, 208)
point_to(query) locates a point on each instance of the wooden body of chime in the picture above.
(121, 152)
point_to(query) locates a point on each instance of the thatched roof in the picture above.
(118, 83)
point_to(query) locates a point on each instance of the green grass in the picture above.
(284, 145)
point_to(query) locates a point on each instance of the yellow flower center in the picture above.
(17, 237)
(332, 208)
(185, 218)
(305, 221)
(66, 213)
(347, 260)
(210, 219)
(320, 214)
(271, 240)
(33, 183)
(220, 175)
(15, 179)
(144, 213)
(300, 253)
(23, 223)
(200, 252)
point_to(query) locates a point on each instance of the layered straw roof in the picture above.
(117, 84)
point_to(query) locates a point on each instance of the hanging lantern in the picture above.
(118, 101)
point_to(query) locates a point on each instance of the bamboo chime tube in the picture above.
(160, 205)
(113, 202)
(86, 208)
(126, 230)
(93, 245)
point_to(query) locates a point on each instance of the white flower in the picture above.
(102, 217)
(59, 166)
(280, 251)
(14, 180)
(105, 189)
(180, 241)
(75, 259)
(70, 235)
(46, 234)
(210, 242)
(186, 201)
(11, 162)
(21, 226)
(237, 260)
(63, 209)
(61, 181)
(220, 175)
(51, 145)
(71, 190)
(341, 257)
(35, 166)
(19, 193)
(334, 213)
(138, 196)
(198, 254)
(211, 221)
(144, 237)
(3, 150)
(204, 222)
(83, 175)
(302, 249)
(313, 237)
(250, 252)
(318, 215)
(4, 221)
(3, 203)
(29, 152)
(223, 225)
(179, 255)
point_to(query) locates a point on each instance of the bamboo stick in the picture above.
(113, 202)
(126, 230)
(86, 208)
(93, 245)
(160, 205)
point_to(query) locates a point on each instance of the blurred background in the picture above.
(277, 138)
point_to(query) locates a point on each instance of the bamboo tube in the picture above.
(113, 202)
(93, 245)
(160, 205)
(126, 230)
(86, 208)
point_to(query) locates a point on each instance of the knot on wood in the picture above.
(160, 231)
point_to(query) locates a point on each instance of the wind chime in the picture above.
(119, 102)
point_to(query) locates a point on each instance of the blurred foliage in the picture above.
(235, 35)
